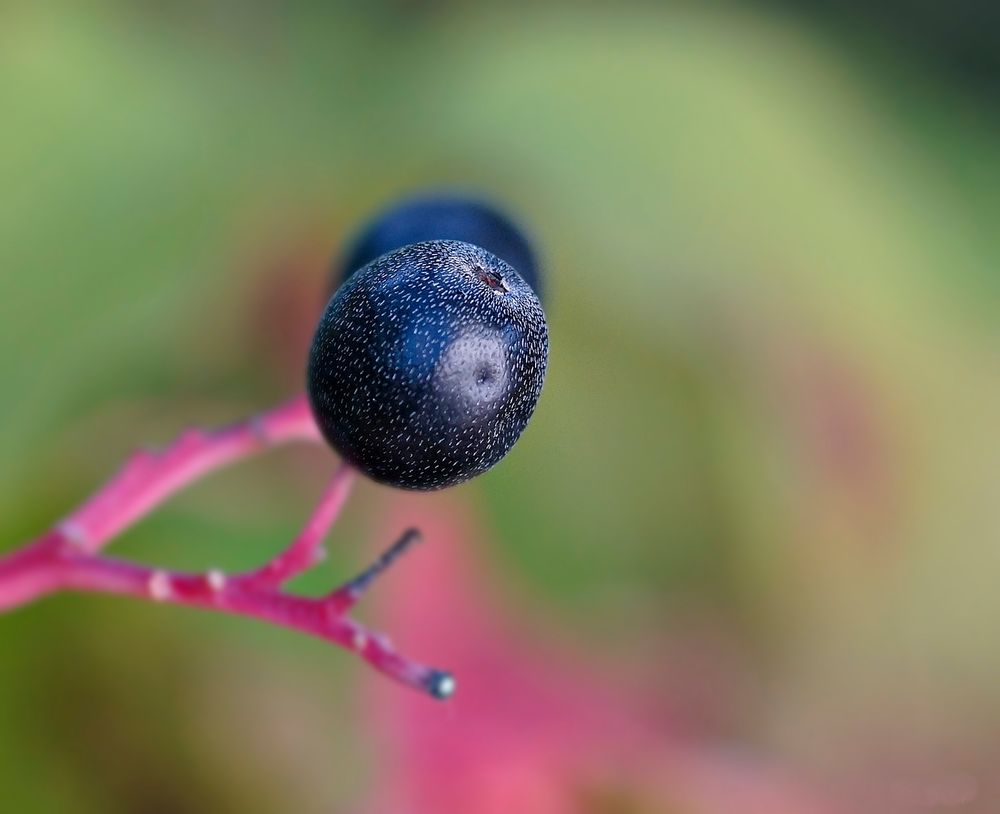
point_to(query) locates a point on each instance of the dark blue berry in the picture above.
(428, 363)
(443, 217)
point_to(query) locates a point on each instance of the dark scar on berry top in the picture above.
(492, 278)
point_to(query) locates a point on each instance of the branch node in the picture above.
(216, 580)
(347, 595)
(74, 534)
(159, 586)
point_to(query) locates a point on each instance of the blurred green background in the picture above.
(769, 436)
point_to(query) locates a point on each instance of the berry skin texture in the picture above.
(444, 217)
(427, 364)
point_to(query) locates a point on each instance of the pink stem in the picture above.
(150, 477)
(25, 574)
(306, 549)
(67, 557)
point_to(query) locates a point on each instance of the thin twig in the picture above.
(150, 477)
(68, 556)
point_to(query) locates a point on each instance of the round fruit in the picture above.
(428, 363)
(443, 217)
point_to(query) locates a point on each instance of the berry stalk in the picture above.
(150, 477)
(68, 557)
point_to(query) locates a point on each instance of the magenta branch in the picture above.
(68, 556)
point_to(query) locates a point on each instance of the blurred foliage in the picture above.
(772, 402)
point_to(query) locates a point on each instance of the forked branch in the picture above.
(68, 556)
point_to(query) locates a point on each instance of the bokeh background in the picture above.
(757, 506)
